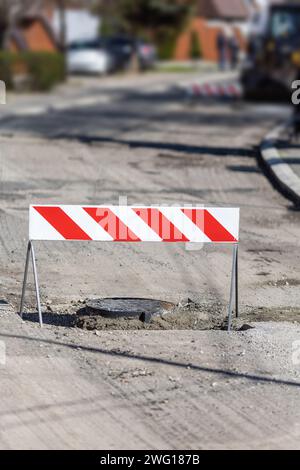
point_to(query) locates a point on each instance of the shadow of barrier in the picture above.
(134, 224)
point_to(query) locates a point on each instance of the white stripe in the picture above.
(135, 224)
(185, 225)
(86, 223)
(238, 89)
(214, 89)
(40, 229)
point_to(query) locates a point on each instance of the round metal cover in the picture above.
(144, 309)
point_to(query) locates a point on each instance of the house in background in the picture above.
(32, 33)
(210, 17)
(39, 28)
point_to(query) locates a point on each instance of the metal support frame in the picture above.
(30, 252)
(234, 286)
(233, 300)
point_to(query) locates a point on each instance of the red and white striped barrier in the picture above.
(134, 224)
(131, 224)
(215, 90)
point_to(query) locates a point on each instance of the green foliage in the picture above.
(195, 46)
(166, 47)
(44, 69)
(160, 21)
(6, 68)
(108, 27)
(154, 15)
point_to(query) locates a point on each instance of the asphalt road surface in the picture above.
(142, 140)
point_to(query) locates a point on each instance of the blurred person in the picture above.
(222, 50)
(234, 50)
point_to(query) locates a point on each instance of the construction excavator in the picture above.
(273, 59)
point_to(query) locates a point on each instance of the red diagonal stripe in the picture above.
(162, 226)
(223, 90)
(207, 89)
(112, 224)
(196, 89)
(212, 228)
(56, 217)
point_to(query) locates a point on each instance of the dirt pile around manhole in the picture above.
(189, 315)
(186, 316)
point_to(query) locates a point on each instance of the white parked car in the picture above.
(88, 57)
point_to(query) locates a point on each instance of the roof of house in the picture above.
(17, 37)
(223, 9)
(17, 33)
(44, 21)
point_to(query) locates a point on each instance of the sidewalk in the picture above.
(88, 91)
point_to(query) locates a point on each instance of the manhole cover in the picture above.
(144, 309)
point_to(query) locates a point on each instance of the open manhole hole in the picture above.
(126, 308)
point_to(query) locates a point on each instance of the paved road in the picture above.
(71, 389)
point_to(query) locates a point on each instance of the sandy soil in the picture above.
(65, 387)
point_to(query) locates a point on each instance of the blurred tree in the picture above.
(147, 18)
(61, 5)
(195, 46)
(111, 21)
(154, 16)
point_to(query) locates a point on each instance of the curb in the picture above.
(280, 171)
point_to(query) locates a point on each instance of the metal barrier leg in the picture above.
(237, 282)
(36, 282)
(30, 251)
(233, 286)
(25, 279)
